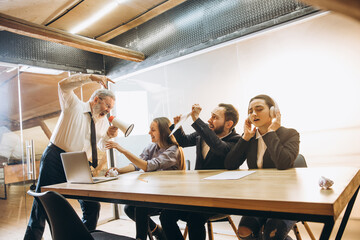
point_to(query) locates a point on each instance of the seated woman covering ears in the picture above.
(268, 145)
(163, 154)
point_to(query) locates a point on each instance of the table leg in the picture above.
(346, 215)
(328, 227)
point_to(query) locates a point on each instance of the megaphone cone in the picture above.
(126, 128)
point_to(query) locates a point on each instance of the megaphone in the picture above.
(124, 127)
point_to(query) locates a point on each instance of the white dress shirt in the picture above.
(204, 148)
(72, 131)
(260, 149)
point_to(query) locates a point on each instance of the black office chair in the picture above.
(301, 163)
(64, 223)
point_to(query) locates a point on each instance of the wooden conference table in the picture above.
(288, 194)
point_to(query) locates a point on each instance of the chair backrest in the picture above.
(300, 162)
(188, 164)
(64, 223)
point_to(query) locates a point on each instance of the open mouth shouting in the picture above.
(103, 113)
(256, 119)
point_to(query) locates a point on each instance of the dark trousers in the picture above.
(267, 228)
(52, 172)
(142, 220)
(195, 222)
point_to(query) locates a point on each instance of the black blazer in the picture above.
(282, 150)
(218, 147)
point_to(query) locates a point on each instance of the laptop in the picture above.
(77, 169)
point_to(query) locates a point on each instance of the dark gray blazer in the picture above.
(282, 150)
(218, 147)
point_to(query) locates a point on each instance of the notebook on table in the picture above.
(77, 169)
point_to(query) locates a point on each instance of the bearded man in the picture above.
(213, 142)
(79, 124)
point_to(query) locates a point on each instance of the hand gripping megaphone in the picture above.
(124, 127)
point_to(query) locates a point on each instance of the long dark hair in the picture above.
(163, 125)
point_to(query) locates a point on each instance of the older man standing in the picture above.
(80, 127)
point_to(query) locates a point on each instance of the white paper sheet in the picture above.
(183, 118)
(229, 175)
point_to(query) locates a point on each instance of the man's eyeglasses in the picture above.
(107, 105)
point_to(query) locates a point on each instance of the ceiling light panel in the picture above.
(114, 14)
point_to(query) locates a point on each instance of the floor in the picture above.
(13, 219)
(223, 231)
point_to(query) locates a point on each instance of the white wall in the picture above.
(311, 68)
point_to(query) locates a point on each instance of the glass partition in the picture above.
(29, 110)
(13, 168)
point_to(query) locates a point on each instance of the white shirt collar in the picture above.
(86, 107)
(258, 135)
(226, 135)
(261, 149)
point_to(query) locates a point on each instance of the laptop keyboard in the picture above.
(98, 179)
